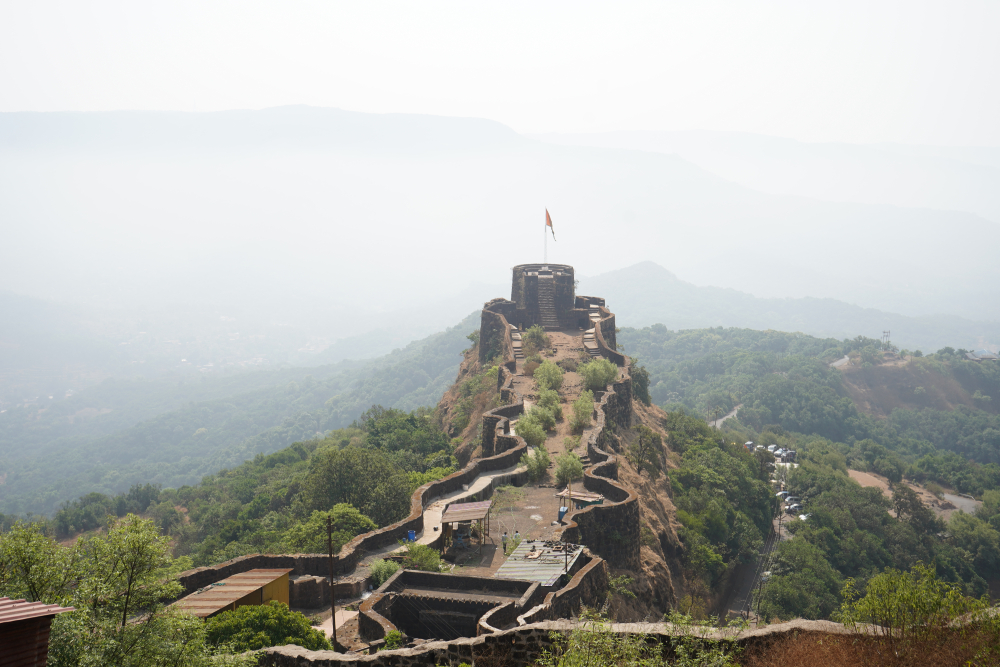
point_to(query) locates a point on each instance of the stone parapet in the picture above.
(521, 646)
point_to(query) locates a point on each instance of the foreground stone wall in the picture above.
(522, 645)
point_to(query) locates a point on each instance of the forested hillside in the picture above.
(789, 396)
(106, 439)
(647, 293)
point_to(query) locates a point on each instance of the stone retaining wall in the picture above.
(611, 530)
(519, 647)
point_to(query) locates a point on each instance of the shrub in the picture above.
(568, 468)
(549, 399)
(537, 462)
(543, 417)
(421, 557)
(583, 408)
(569, 365)
(935, 489)
(548, 376)
(253, 627)
(530, 430)
(571, 442)
(530, 367)
(393, 640)
(598, 373)
(535, 337)
(907, 606)
(381, 570)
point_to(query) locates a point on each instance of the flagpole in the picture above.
(545, 242)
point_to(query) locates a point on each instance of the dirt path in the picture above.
(943, 508)
(718, 422)
(567, 344)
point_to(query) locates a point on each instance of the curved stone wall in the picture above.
(611, 530)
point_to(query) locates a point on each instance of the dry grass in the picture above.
(824, 650)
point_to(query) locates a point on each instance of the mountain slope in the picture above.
(947, 178)
(50, 457)
(646, 294)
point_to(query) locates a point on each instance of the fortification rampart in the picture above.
(610, 530)
(522, 645)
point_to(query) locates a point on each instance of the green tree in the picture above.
(583, 409)
(35, 567)
(802, 585)
(309, 536)
(548, 375)
(120, 618)
(908, 605)
(569, 468)
(364, 478)
(542, 416)
(645, 451)
(640, 382)
(253, 627)
(537, 462)
(532, 432)
(549, 399)
(597, 374)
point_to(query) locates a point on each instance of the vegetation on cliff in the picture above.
(361, 476)
(124, 432)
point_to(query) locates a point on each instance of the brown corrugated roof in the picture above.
(20, 610)
(217, 596)
(466, 511)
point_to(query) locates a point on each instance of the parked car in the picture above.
(793, 509)
(792, 499)
(782, 494)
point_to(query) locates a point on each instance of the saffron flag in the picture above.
(548, 223)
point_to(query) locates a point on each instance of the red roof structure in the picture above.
(24, 632)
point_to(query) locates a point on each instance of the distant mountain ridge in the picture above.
(646, 294)
(940, 177)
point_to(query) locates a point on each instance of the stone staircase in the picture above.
(516, 343)
(547, 303)
(589, 336)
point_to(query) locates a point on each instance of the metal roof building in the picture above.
(541, 561)
(24, 632)
(253, 587)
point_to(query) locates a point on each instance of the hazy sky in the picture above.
(915, 72)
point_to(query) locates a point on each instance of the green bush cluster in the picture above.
(532, 431)
(537, 462)
(583, 409)
(548, 375)
(380, 570)
(253, 627)
(598, 374)
(569, 468)
(549, 399)
(535, 337)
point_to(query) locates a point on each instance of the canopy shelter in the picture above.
(253, 587)
(458, 513)
(581, 498)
